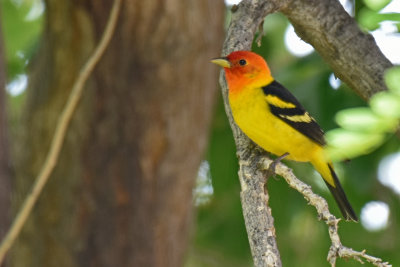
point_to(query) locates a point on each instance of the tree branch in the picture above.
(352, 54)
(337, 249)
(257, 214)
(355, 59)
(59, 134)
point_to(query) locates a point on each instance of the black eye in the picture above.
(242, 62)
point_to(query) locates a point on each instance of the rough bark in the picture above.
(353, 56)
(5, 175)
(121, 194)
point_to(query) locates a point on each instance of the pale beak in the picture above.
(222, 61)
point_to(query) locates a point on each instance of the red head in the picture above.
(244, 68)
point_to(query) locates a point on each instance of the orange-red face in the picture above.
(244, 68)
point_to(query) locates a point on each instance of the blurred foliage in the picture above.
(364, 129)
(370, 15)
(22, 23)
(220, 238)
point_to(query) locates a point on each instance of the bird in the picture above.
(272, 117)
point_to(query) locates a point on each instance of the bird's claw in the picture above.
(271, 168)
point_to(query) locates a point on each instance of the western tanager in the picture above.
(273, 118)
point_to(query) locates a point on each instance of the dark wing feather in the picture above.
(286, 107)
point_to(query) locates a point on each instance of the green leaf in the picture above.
(386, 104)
(344, 144)
(376, 5)
(392, 80)
(363, 119)
(369, 19)
(390, 16)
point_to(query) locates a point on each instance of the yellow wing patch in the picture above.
(298, 118)
(278, 102)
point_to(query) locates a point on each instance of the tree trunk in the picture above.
(121, 194)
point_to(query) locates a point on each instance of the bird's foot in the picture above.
(270, 172)
(271, 168)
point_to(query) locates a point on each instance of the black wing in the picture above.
(286, 107)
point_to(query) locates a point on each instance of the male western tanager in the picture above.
(273, 118)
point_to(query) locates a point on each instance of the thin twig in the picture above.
(337, 249)
(60, 132)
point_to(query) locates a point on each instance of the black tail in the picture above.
(341, 199)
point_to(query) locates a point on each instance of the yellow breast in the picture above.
(252, 114)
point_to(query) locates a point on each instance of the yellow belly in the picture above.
(269, 132)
